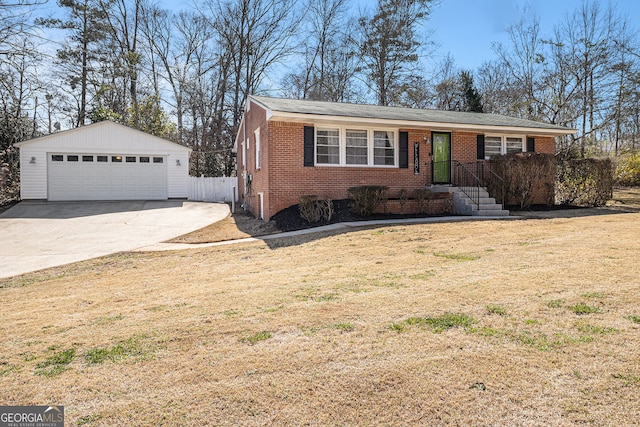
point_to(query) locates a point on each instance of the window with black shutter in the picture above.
(531, 145)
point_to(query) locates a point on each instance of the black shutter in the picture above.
(403, 155)
(531, 145)
(480, 147)
(308, 145)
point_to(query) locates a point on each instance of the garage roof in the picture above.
(96, 126)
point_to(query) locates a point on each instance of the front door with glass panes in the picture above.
(441, 146)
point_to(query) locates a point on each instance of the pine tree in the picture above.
(470, 95)
(389, 46)
(87, 28)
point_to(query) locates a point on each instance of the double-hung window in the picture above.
(514, 144)
(346, 146)
(497, 145)
(328, 146)
(384, 148)
(357, 147)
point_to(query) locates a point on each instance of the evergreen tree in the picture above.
(86, 26)
(470, 95)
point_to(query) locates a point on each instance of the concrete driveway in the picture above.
(37, 235)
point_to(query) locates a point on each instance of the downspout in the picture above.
(245, 205)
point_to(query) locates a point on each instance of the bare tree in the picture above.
(123, 23)
(15, 16)
(389, 46)
(523, 61)
(589, 35)
(329, 61)
(177, 43)
(251, 37)
(446, 85)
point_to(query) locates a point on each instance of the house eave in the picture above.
(268, 112)
(408, 124)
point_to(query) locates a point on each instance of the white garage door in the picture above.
(106, 177)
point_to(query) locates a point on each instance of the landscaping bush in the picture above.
(403, 197)
(314, 210)
(525, 176)
(366, 198)
(9, 173)
(584, 182)
(423, 196)
(627, 171)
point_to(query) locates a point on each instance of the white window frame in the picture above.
(503, 142)
(395, 137)
(257, 136)
(315, 145)
(343, 146)
(342, 139)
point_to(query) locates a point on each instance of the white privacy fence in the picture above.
(218, 189)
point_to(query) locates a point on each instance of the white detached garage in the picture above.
(103, 161)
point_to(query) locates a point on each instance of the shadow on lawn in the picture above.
(575, 212)
(626, 201)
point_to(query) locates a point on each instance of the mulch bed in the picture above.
(289, 219)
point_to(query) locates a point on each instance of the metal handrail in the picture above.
(491, 181)
(471, 177)
(467, 182)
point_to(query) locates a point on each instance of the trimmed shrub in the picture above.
(314, 210)
(403, 196)
(525, 176)
(366, 198)
(584, 182)
(627, 172)
(423, 197)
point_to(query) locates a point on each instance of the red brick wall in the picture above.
(545, 191)
(255, 118)
(464, 146)
(283, 178)
(545, 144)
(289, 179)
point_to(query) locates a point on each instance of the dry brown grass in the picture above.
(187, 333)
(234, 227)
(242, 225)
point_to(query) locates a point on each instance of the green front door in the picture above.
(441, 143)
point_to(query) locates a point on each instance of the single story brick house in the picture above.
(289, 148)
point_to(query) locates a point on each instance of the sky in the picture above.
(468, 28)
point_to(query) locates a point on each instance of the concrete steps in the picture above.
(463, 205)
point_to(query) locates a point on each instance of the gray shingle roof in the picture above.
(397, 113)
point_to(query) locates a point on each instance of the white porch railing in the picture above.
(218, 189)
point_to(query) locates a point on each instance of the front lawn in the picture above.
(532, 322)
